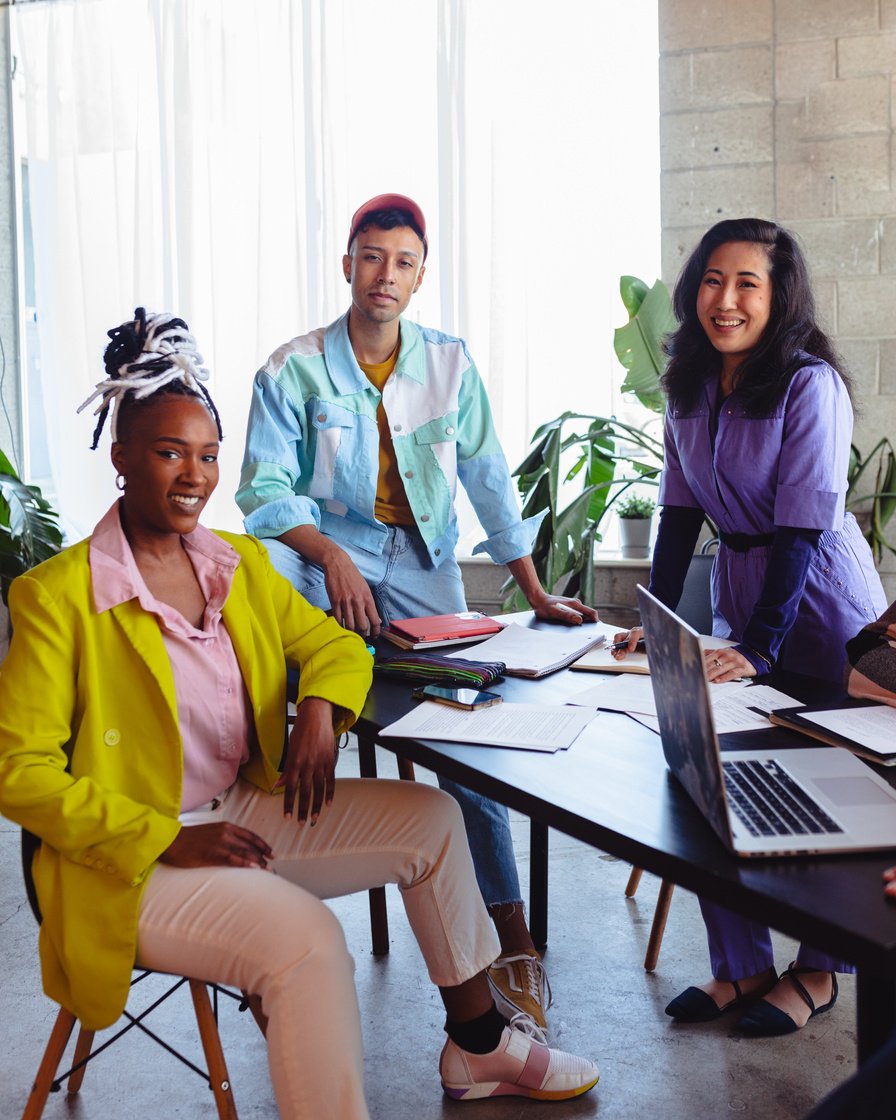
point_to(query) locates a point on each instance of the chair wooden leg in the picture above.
(406, 770)
(40, 1090)
(254, 1004)
(376, 896)
(82, 1051)
(633, 880)
(663, 901)
(214, 1055)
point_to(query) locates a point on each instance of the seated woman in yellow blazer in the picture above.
(142, 709)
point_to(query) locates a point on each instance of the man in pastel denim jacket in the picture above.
(358, 434)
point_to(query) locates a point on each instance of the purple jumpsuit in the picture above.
(788, 468)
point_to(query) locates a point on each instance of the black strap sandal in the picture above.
(764, 1020)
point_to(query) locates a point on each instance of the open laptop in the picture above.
(771, 802)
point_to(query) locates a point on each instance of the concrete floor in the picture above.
(605, 1007)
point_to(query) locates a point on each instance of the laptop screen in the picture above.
(683, 709)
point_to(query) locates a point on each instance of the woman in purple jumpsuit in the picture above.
(757, 437)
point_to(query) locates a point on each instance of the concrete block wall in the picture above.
(785, 109)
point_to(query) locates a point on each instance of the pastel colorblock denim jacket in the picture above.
(312, 445)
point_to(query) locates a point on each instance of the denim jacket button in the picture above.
(438, 552)
(449, 431)
(397, 428)
(425, 517)
(408, 474)
(322, 416)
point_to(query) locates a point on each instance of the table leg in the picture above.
(875, 1012)
(379, 918)
(538, 884)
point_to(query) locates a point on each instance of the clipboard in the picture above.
(795, 720)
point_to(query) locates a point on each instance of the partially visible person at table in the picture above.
(757, 438)
(142, 723)
(871, 675)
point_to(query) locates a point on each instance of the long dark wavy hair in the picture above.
(766, 372)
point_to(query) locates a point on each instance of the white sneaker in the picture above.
(520, 1066)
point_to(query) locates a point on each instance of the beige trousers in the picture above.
(269, 934)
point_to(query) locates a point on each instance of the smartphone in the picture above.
(469, 698)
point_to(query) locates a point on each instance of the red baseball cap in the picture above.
(388, 202)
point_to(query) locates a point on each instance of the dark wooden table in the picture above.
(612, 790)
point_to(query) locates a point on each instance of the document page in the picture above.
(528, 652)
(873, 728)
(531, 727)
(735, 707)
(745, 709)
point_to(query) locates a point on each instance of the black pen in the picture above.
(624, 645)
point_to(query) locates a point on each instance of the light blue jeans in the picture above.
(404, 584)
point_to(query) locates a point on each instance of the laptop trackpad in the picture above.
(852, 791)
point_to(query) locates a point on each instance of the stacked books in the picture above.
(440, 630)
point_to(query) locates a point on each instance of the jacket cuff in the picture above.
(278, 517)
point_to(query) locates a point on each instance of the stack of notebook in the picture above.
(440, 630)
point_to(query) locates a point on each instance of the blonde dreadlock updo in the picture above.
(151, 355)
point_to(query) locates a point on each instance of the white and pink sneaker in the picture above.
(520, 1066)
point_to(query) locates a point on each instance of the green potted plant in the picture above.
(602, 454)
(29, 527)
(873, 508)
(635, 514)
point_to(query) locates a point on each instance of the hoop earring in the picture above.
(121, 483)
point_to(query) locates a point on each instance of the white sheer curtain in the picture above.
(204, 157)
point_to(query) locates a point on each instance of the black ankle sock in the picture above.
(480, 1035)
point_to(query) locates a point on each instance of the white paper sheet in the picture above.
(536, 652)
(873, 727)
(746, 709)
(531, 727)
(732, 702)
(623, 693)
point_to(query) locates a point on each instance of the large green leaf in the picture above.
(633, 292)
(29, 528)
(639, 344)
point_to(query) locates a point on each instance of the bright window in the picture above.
(205, 156)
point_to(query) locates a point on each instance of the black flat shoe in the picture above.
(764, 1020)
(693, 1005)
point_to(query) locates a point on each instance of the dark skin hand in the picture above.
(217, 845)
(309, 773)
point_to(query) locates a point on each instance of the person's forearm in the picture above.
(776, 610)
(673, 551)
(311, 544)
(523, 571)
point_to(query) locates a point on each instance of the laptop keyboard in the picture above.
(769, 802)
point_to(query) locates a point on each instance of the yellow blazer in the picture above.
(91, 758)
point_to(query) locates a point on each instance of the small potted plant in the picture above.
(635, 517)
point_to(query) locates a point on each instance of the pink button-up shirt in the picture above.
(212, 705)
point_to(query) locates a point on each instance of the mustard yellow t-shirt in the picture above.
(391, 500)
